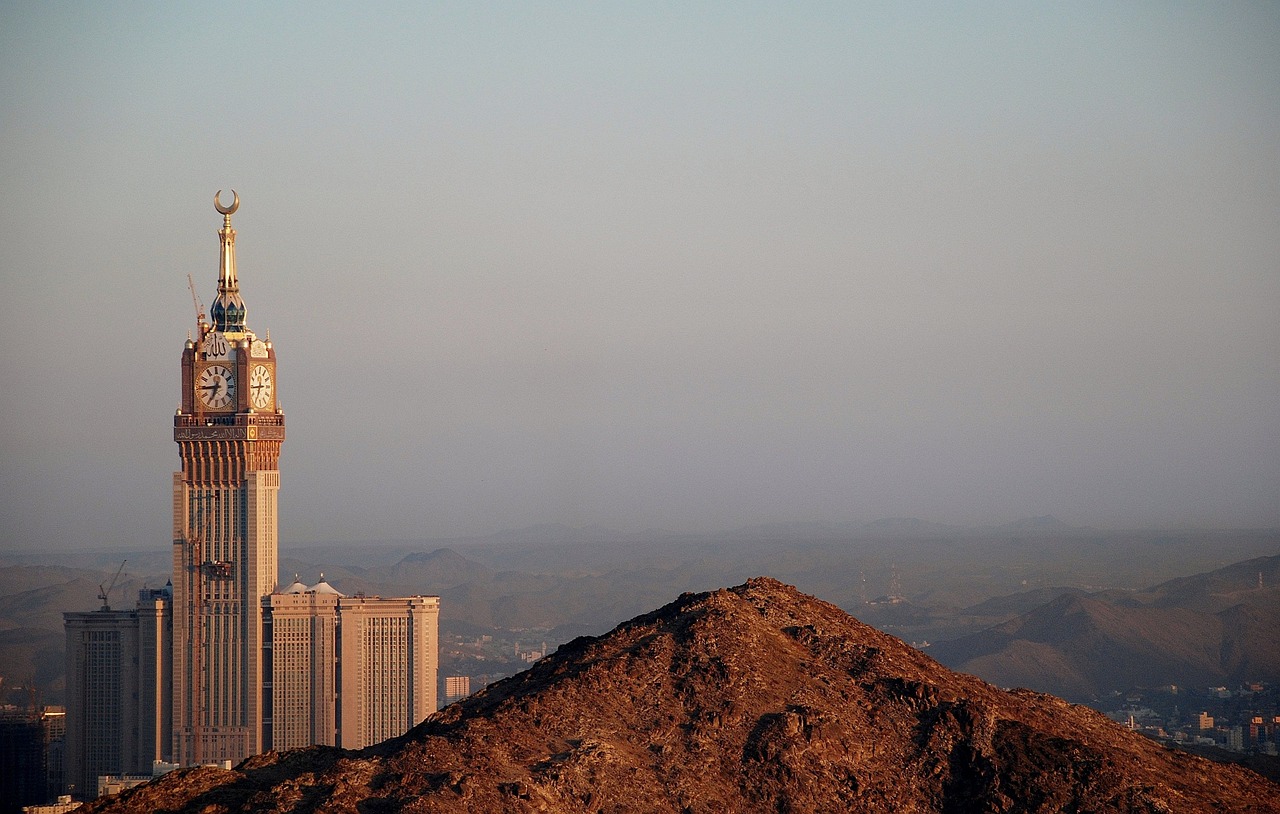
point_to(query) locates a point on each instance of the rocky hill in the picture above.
(755, 698)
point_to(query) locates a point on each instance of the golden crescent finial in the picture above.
(226, 210)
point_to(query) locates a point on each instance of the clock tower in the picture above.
(229, 429)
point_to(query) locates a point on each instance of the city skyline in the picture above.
(221, 664)
(692, 269)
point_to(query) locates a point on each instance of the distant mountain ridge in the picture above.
(558, 533)
(953, 584)
(755, 698)
(443, 567)
(1207, 629)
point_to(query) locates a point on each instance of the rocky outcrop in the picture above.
(755, 698)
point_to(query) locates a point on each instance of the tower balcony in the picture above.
(229, 420)
(228, 427)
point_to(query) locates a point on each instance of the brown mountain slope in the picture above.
(756, 698)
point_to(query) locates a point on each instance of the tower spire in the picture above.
(227, 311)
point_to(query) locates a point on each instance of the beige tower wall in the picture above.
(425, 621)
(389, 651)
(179, 651)
(300, 696)
(324, 679)
(262, 488)
(155, 681)
(237, 527)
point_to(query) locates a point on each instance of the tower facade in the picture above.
(300, 649)
(229, 429)
(389, 664)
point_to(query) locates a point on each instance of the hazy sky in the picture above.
(689, 266)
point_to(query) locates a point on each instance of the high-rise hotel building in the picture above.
(387, 666)
(346, 671)
(300, 646)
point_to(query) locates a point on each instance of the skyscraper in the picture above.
(117, 719)
(229, 430)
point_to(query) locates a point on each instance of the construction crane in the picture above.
(199, 306)
(103, 593)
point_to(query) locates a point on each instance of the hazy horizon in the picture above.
(535, 536)
(684, 268)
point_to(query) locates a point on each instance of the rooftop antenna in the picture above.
(103, 593)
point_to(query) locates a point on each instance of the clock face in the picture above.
(215, 386)
(260, 386)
